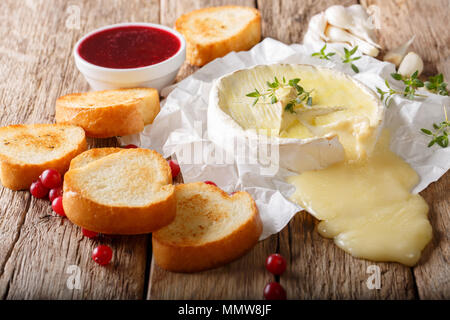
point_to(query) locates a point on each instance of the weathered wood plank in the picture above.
(242, 279)
(36, 66)
(318, 269)
(432, 274)
(399, 20)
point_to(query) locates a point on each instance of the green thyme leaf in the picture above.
(437, 85)
(396, 76)
(274, 100)
(254, 94)
(290, 107)
(426, 131)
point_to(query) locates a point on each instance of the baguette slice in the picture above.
(210, 229)
(27, 150)
(125, 192)
(213, 32)
(110, 113)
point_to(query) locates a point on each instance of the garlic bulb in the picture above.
(344, 18)
(396, 55)
(338, 35)
(339, 24)
(411, 63)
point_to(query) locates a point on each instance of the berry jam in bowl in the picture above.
(129, 55)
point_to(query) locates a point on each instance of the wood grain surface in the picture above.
(425, 20)
(37, 248)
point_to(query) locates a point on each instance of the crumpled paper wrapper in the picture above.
(182, 125)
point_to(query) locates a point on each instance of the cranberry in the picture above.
(102, 255)
(57, 206)
(55, 193)
(51, 178)
(131, 146)
(38, 190)
(175, 167)
(274, 291)
(89, 234)
(276, 264)
(211, 183)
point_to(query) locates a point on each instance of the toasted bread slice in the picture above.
(210, 229)
(91, 155)
(27, 150)
(125, 192)
(213, 32)
(109, 113)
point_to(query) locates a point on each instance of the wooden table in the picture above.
(37, 248)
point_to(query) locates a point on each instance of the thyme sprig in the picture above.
(411, 83)
(439, 133)
(302, 94)
(349, 59)
(437, 85)
(346, 58)
(322, 54)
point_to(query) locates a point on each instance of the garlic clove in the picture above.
(396, 55)
(411, 63)
(338, 17)
(318, 24)
(367, 48)
(338, 35)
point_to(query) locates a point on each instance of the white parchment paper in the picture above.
(182, 123)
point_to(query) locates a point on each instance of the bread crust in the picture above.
(193, 258)
(119, 220)
(104, 122)
(16, 175)
(199, 54)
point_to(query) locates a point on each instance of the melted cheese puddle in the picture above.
(367, 207)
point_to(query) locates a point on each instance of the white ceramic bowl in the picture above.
(156, 76)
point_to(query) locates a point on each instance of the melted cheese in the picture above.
(367, 206)
(340, 106)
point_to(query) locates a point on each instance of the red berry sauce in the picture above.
(129, 47)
